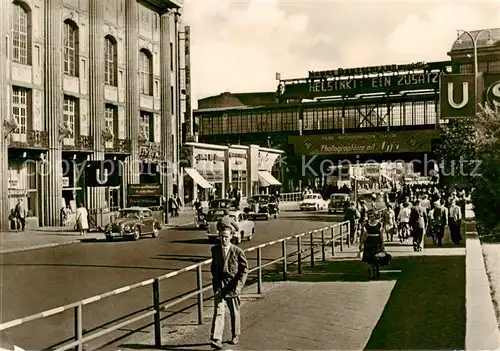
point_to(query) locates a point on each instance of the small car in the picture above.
(337, 203)
(133, 222)
(200, 219)
(247, 227)
(224, 203)
(262, 206)
(312, 202)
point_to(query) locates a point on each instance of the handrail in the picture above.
(157, 308)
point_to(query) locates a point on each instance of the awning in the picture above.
(197, 178)
(267, 179)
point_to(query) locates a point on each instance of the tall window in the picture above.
(110, 61)
(109, 121)
(144, 124)
(70, 48)
(20, 34)
(20, 109)
(69, 114)
(145, 73)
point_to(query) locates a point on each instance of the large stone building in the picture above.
(88, 80)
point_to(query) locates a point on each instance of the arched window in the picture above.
(21, 33)
(145, 73)
(70, 45)
(110, 61)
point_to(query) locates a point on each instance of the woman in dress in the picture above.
(372, 243)
(82, 219)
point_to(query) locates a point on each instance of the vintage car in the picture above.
(224, 203)
(337, 203)
(133, 222)
(200, 219)
(262, 206)
(247, 227)
(312, 202)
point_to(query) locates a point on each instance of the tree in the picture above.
(469, 152)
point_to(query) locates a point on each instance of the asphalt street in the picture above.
(34, 281)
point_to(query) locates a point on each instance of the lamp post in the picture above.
(474, 40)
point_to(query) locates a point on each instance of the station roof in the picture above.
(464, 42)
(228, 100)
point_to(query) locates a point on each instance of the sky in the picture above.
(239, 45)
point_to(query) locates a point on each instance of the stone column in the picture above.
(166, 113)
(53, 112)
(132, 93)
(4, 177)
(96, 196)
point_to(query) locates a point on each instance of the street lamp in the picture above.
(474, 46)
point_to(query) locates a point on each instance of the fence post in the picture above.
(333, 239)
(156, 306)
(323, 253)
(299, 256)
(78, 327)
(199, 280)
(341, 239)
(347, 236)
(259, 271)
(311, 237)
(283, 251)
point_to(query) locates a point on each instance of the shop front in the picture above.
(22, 178)
(268, 169)
(204, 172)
(237, 172)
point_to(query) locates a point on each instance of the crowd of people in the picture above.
(405, 214)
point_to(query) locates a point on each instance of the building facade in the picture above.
(354, 114)
(218, 170)
(88, 80)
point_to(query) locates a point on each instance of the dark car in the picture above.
(224, 203)
(262, 206)
(133, 222)
(337, 203)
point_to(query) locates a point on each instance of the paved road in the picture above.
(34, 281)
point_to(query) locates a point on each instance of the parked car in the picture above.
(223, 203)
(337, 203)
(133, 222)
(312, 202)
(247, 227)
(200, 219)
(262, 206)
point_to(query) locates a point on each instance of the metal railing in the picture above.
(317, 239)
(291, 197)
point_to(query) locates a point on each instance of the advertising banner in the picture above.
(456, 95)
(237, 160)
(366, 143)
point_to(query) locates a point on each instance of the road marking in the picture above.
(52, 311)
(91, 299)
(119, 291)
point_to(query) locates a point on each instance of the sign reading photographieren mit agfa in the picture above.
(365, 143)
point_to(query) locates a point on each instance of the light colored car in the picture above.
(133, 222)
(247, 227)
(337, 203)
(312, 202)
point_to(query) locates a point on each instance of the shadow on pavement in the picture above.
(192, 241)
(317, 218)
(82, 266)
(184, 258)
(185, 347)
(426, 309)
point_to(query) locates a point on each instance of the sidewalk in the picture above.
(336, 306)
(42, 237)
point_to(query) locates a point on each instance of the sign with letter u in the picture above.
(456, 94)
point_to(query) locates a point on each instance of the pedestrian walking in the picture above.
(229, 273)
(352, 215)
(418, 223)
(389, 221)
(21, 214)
(82, 219)
(372, 244)
(438, 220)
(455, 222)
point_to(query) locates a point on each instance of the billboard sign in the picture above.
(456, 96)
(492, 89)
(105, 173)
(364, 143)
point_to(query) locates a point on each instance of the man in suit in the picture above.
(418, 223)
(229, 273)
